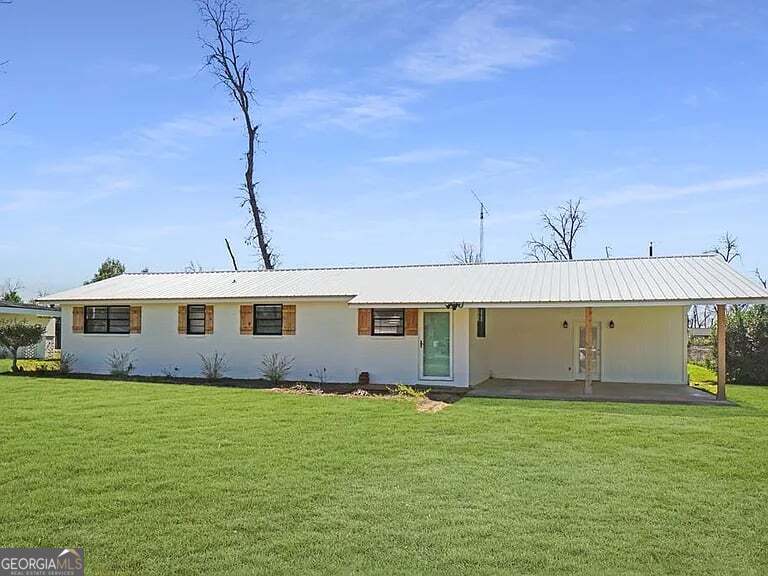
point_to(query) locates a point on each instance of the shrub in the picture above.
(17, 334)
(169, 372)
(213, 366)
(747, 345)
(67, 362)
(120, 363)
(408, 391)
(275, 367)
(319, 375)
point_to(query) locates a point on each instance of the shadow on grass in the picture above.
(741, 408)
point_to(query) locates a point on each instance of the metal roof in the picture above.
(674, 279)
(28, 309)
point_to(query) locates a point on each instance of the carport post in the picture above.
(588, 350)
(722, 329)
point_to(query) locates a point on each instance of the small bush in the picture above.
(319, 375)
(169, 372)
(213, 366)
(408, 391)
(275, 367)
(120, 363)
(67, 362)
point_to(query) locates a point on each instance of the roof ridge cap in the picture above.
(428, 265)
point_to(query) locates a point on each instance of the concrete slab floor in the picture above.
(601, 391)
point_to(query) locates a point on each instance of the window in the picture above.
(481, 322)
(196, 319)
(268, 319)
(388, 322)
(107, 319)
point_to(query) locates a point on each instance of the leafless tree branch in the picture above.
(231, 254)
(558, 239)
(467, 254)
(763, 281)
(727, 247)
(226, 34)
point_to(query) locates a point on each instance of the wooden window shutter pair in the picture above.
(78, 319)
(365, 318)
(289, 319)
(182, 324)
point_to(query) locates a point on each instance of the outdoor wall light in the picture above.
(611, 324)
(565, 323)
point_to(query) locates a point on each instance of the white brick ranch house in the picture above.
(452, 325)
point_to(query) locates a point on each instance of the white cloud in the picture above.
(476, 46)
(655, 193)
(422, 156)
(351, 111)
(173, 136)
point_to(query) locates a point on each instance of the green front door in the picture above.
(436, 345)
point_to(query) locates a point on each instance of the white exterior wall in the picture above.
(326, 337)
(648, 344)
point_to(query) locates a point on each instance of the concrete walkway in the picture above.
(601, 391)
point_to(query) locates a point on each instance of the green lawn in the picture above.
(166, 479)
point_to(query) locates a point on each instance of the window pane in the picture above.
(119, 312)
(268, 312)
(268, 319)
(95, 326)
(388, 322)
(95, 319)
(119, 326)
(196, 312)
(96, 312)
(196, 319)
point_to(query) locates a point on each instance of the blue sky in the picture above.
(377, 120)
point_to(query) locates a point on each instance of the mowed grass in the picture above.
(174, 479)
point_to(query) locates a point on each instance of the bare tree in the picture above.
(227, 28)
(727, 247)
(763, 281)
(10, 291)
(558, 240)
(193, 266)
(467, 254)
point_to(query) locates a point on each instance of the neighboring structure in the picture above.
(44, 315)
(618, 320)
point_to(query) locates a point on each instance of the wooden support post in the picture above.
(722, 329)
(588, 350)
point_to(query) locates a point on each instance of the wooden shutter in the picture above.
(364, 321)
(209, 319)
(246, 319)
(411, 321)
(135, 320)
(289, 319)
(182, 319)
(78, 319)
